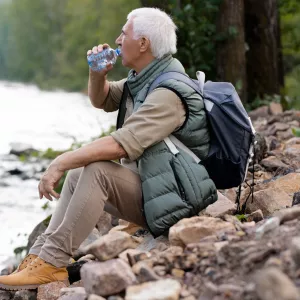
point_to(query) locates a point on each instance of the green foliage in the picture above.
(266, 100)
(290, 36)
(296, 132)
(241, 218)
(45, 41)
(197, 35)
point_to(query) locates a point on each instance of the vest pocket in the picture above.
(178, 182)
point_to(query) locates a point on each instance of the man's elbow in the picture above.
(95, 101)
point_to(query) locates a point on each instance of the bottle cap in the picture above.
(118, 51)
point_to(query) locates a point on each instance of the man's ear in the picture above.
(144, 44)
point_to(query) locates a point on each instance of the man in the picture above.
(153, 187)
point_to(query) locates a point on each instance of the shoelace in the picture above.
(35, 263)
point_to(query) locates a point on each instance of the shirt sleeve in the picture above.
(161, 114)
(112, 101)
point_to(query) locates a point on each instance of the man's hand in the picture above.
(97, 49)
(49, 181)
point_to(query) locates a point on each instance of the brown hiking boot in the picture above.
(25, 262)
(36, 273)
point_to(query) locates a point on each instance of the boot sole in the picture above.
(27, 287)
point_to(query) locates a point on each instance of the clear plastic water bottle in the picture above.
(98, 61)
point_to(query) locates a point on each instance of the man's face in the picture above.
(130, 47)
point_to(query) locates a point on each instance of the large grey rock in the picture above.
(107, 278)
(5, 295)
(21, 149)
(165, 289)
(111, 245)
(192, 230)
(25, 295)
(272, 163)
(38, 230)
(260, 112)
(271, 283)
(50, 291)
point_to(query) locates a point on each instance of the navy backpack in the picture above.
(231, 131)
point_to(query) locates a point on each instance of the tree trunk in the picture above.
(231, 57)
(264, 57)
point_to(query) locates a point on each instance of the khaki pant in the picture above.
(85, 193)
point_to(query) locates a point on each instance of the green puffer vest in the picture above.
(174, 186)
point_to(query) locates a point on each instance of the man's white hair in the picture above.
(158, 27)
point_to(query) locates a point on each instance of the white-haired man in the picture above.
(152, 187)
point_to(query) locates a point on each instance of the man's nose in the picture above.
(118, 40)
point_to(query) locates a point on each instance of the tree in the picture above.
(231, 57)
(264, 63)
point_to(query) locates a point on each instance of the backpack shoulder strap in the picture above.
(177, 76)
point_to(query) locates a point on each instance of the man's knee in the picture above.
(73, 176)
(98, 167)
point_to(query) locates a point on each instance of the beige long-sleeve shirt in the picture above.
(161, 114)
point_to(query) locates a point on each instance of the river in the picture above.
(42, 119)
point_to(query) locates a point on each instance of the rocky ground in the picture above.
(215, 255)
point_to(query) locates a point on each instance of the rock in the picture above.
(260, 147)
(268, 226)
(73, 297)
(272, 284)
(277, 127)
(107, 278)
(288, 214)
(269, 201)
(95, 297)
(296, 199)
(127, 227)
(275, 108)
(293, 141)
(149, 242)
(21, 149)
(76, 284)
(50, 291)
(260, 112)
(5, 295)
(146, 274)
(26, 295)
(131, 254)
(105, 223)
(166, 289)
(111, 245)
(223, 206)
(256, 216)
(92, 237)
(272, 163)
(115, 298)
(38, 230)
(292, 151)
(71, 291)
(192, 230)
(295, 250)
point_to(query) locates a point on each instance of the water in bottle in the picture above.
(98, 61)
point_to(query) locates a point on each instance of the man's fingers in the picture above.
(89, 52)
(54, 194)
(95, 50)
(45, 193)
(100, 48)
(105, 46)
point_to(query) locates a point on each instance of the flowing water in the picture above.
(42, 119)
